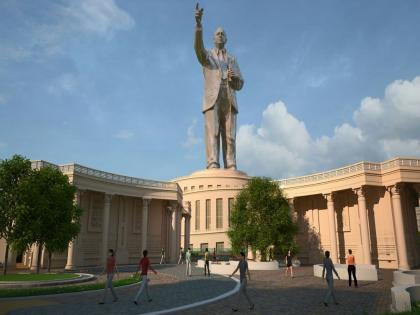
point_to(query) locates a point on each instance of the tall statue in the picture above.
(222, 78)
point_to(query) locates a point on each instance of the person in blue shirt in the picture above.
(329, 267)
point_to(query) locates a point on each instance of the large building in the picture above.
(370, 208)
(120, 212)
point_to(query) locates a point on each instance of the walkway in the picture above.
(270, 290)
(169, 288)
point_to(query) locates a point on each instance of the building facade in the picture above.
(371, 208)
(367, 207)
(123, 213)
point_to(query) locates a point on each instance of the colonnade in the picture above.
(399, 227)
(174, 212)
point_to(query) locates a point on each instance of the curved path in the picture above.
(169, 289)
(271, 292)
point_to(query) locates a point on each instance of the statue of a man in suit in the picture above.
(222, 78)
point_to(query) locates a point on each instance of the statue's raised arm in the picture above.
(200, 51)
(222, 78)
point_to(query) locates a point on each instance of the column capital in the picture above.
(360, 191)
(146, 201)
(173, 206)
(186, 215)
(108, 197)
(395, 190)
(329, 196)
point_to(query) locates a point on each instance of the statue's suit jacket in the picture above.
(213, 74)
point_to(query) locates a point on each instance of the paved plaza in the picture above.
(271, 292)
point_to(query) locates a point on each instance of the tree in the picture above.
(261, 218)
(12, 173)
(50, 218)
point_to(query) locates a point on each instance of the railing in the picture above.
(83, 170)
(355, 168)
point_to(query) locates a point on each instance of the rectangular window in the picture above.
(230, 205)
(208, 210)
(219, 213)
(220, 247)
(203, 247)
(197, 215)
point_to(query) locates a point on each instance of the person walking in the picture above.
(329, 266)
(351, 267)
(180, 261)
(188, 262)
(206, 262)
(144, 266)
(243, 270)
(162, 256)
(110, 269)
(288, 262)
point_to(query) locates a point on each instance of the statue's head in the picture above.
(220, 37)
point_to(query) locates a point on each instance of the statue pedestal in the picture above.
(211, 193)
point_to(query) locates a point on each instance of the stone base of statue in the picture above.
(211, 193)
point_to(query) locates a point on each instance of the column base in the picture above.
(404, 268)
(70, 267)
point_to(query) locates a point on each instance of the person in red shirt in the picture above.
(144, 266)
(110, 268)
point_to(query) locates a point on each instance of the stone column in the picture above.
(71, 251)
(144, 221)
(291, 202)
(333, 229)
(417, 189)
(34, 260)
(173, 215)
(105, 226)
(364, 225)
(187, 222)
(178, 229)
(399, 227)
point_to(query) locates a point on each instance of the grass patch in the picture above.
(63, 289)
(415, 311)
(38, 277)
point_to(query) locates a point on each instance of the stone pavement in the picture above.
(271, 292)
(169, 288)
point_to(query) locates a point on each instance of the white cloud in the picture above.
(192, 139)
(381, 129)
(124, 134)
(3, 145)
(102, 17)
(65, 22)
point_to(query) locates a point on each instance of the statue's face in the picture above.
(220, 36)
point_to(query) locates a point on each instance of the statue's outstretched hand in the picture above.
(198, 14)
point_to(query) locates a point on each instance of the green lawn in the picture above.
(415, 311)
(62, 289)
(38, 277)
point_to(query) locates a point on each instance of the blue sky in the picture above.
(115, 85)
